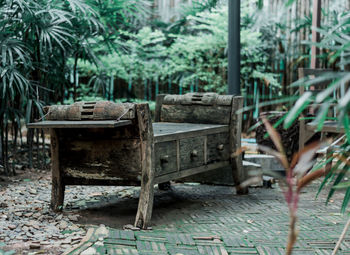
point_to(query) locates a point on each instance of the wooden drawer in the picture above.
(165, 157)
(192, 152)
(218, 147)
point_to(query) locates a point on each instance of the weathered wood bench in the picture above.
(194, 133)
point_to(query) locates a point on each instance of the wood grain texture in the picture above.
(191, 152)
(165, 157)
(159, 102)
(235, 143)
(106, 181)
(97, 153)
(204, 114)
(97, 110)
(144, 211)
(57, 191)
(198, 99)
(218, 147)
(79, 124)
(165, 131)
(190, 172)
(328, 126)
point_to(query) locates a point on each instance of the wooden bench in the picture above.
(194, 133)
(309, 128)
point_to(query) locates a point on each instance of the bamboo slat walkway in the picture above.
(221, 224)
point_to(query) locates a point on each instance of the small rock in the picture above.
(63, 225)
(59, 217)
(25, 228)
(33, 224)
(67, 241)
(73, 217)
(75, 242)
(76, 238)
(36, 215)
(34, 246)
(74, 227)
(12, 227)
(3, 205)
(33, 191)
(28, 214)
(96, 194)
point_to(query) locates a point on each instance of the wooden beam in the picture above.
(144, 211)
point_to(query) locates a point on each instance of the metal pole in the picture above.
(234, 47)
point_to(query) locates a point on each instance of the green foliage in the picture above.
(335, 43)
(37, 38)
(196, 57)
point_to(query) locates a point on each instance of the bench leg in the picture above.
(239, 175)
(144, 210)
(304, 134)
(57, 195)
(57, 191)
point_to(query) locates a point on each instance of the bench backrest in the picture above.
(206, 108)
(98, 110)
(318, 87)
(311, 74)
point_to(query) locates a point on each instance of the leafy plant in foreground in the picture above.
(296, 177)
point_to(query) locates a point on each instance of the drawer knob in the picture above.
(220, 147)
(164, 159)
(194, 154)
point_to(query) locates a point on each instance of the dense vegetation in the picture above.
(41, 43)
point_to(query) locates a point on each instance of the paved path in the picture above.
(202, 219)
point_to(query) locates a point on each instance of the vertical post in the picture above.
(234, 47)
(57, 189)
(316, 22)
(144, 211)
(159, 102)
(238, 173)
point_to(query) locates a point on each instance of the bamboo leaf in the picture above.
(345, 200)
(299, 106)
(322, 115)
(329, 177)
(346, 126)
(337, 181)
(342, 185)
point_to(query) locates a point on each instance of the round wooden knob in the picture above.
(194, 154)
(164, 159)
(220, 147)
